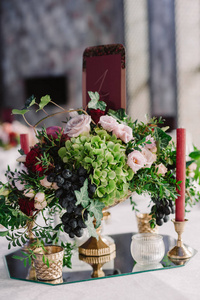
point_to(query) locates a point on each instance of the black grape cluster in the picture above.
(162, 210)
(69, 181)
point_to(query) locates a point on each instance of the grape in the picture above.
(71, 235)
(166, 219)
(51, 177)
(59, 180)
(58, 168)
(73, 223)
(78, 231)
(81, 180)
(67, 185)
(81, 223)
(92, 188)
(65, 218)
(74, 178)
(159, 222)
(82, 172)
(58, 193)
(67, 174)
(172, 209)
(166, 210)
(67, 228)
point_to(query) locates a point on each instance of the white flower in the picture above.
(29, 193)
(44, 182)
(40, 197)
(40, 205)
(20, 185)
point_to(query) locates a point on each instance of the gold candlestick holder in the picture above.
(179, 253)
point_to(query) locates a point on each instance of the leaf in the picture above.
(18, 257)
(90, 227)
(4, 233)
(195, 155)
(95, 103)
(161, 137)
(44, 101)
(96, 208)
(82, 196)
(119, 114)
(19, 111)
(29, 102)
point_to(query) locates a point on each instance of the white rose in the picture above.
(123, 132)
(78, 125)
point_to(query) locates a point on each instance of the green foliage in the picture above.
(95, 103)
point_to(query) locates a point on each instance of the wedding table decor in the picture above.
(96, 161)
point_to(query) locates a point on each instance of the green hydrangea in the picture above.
(104, 157)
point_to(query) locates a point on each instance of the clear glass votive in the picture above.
(147, 248)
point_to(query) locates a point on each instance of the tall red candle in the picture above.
(180, 173)
(24, 141)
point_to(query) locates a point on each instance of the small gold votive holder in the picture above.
(179, 252)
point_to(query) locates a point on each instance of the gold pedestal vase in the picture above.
(100, 246)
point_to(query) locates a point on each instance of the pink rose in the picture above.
(123, 132)
(150, 157)
(136, 160)
(78, 125)
(153, 142)
(161, 169)
(108, 123)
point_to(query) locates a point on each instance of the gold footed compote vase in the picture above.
(97, 252)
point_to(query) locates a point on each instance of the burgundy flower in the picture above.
(53, 131)
(26, 206)
(32, 161)
(96, 114)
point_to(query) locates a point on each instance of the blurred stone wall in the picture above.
(48, 37)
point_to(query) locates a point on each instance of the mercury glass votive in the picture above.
(147, 248)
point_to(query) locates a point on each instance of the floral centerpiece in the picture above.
(98, 158)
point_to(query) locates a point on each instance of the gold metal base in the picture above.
(94, 247)
(180, 251)
(97, 263)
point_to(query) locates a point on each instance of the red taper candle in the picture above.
(24, 141)
(180, 173)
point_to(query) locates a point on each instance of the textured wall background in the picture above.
(48, 37)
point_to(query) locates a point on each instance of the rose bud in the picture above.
(40, 205)
(29, 193)
(39, 197)
(44, 182)
(54, 186)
